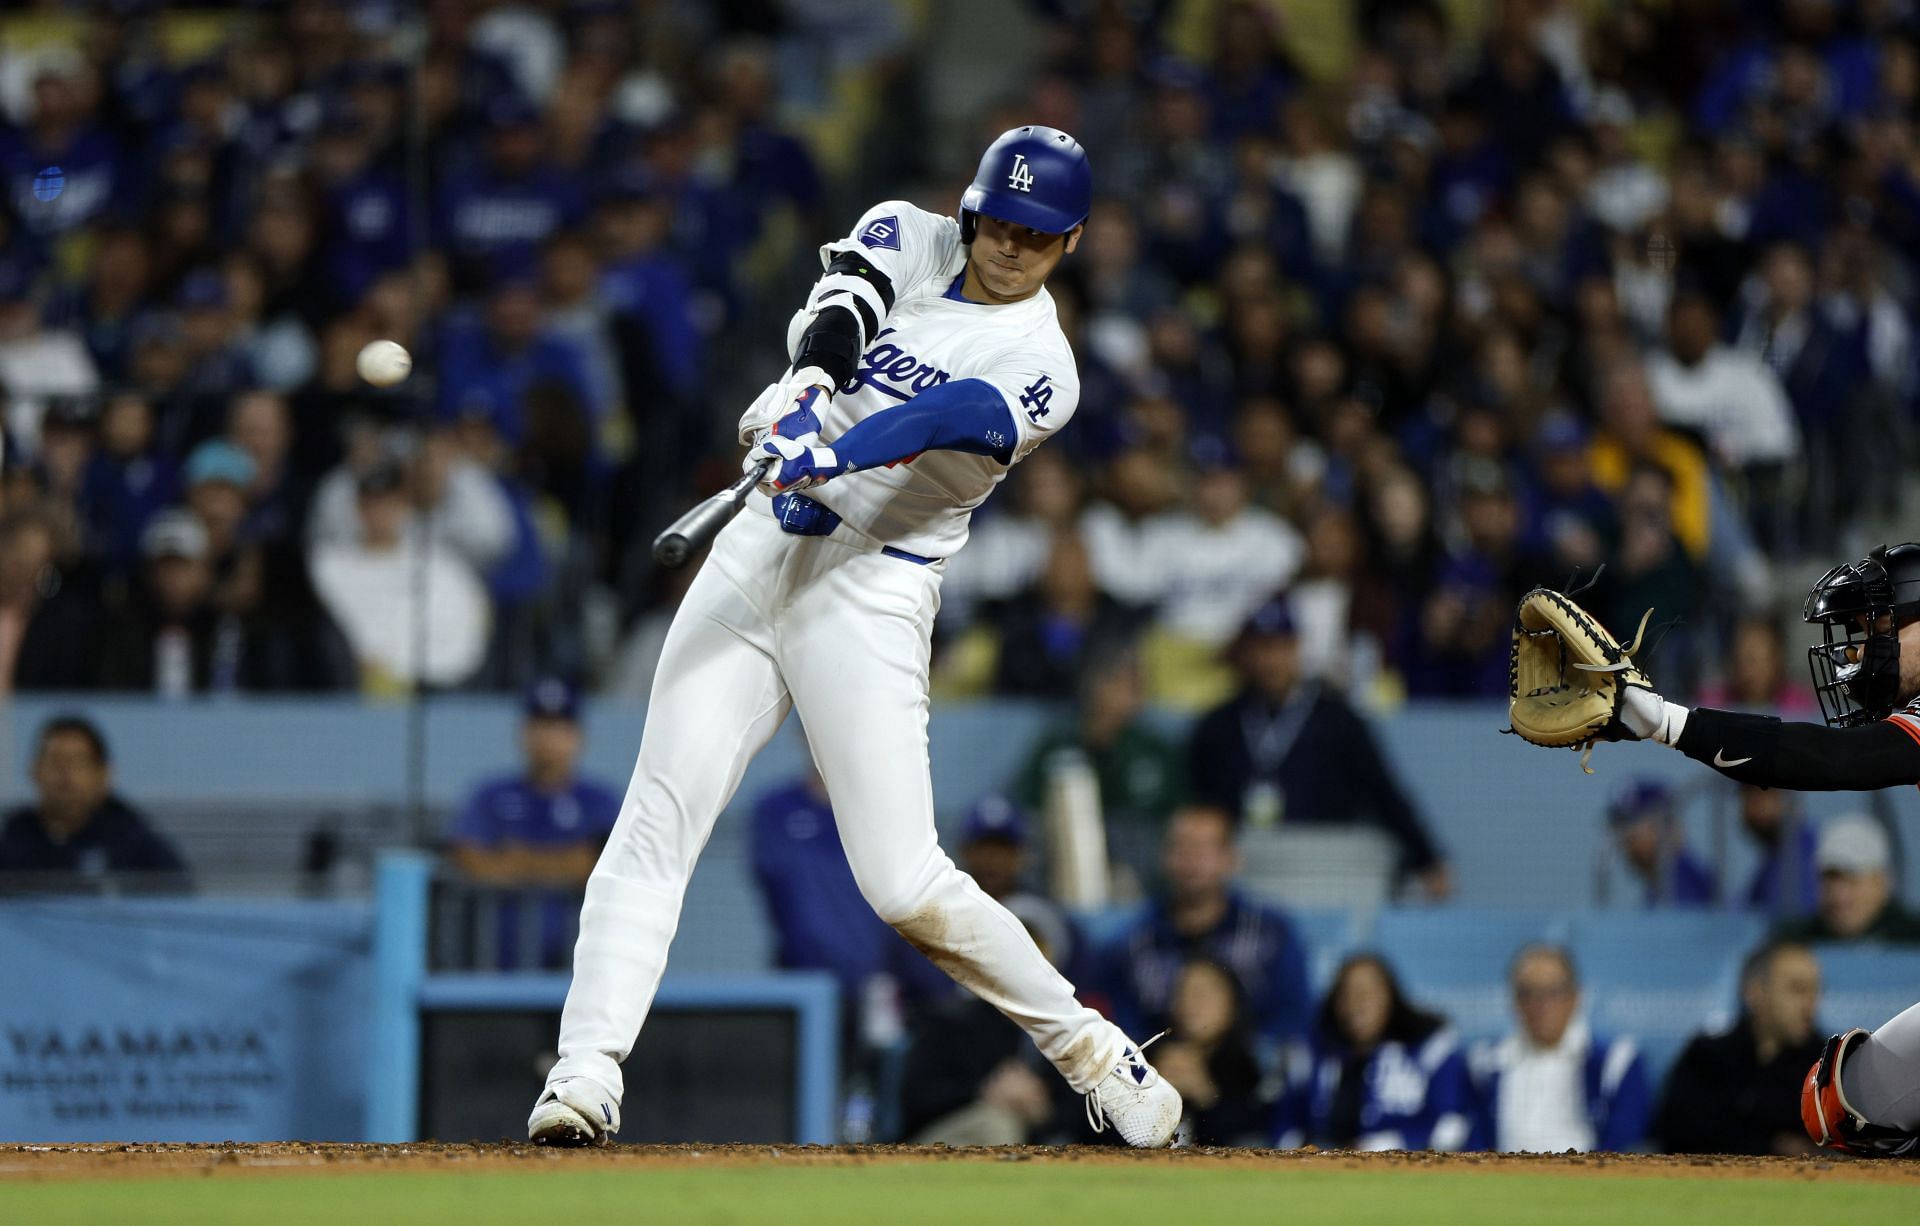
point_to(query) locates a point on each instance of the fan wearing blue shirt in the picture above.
(494, 220)
(541, 829)
(490, 362)
(1644, 817)
(820, 920)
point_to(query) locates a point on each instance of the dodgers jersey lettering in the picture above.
(923, 504)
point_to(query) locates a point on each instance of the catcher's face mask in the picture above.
(1856, 671)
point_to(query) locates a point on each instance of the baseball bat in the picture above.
(686, 535)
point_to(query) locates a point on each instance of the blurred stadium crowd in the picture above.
(1386, 312)
(1487, 294)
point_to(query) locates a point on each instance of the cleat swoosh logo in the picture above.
(1720, 759)
(608, 1112)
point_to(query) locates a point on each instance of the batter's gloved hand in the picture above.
(801, 425)
(809, 383)
(796, 465)
(1831, 1120)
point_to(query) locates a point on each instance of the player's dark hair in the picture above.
(1545, 949)
(1406, 1022)
(75, 725)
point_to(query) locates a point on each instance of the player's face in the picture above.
(1909, 662)
(1010, 263)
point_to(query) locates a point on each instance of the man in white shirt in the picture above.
(1552, 1085)
(377, 588)
(1207, 567)
(1729, 397)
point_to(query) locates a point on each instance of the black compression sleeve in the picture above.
(1760, 749)
(831, 342)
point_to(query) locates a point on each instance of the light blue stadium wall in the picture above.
(1521, 825)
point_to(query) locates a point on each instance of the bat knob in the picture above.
(671, 550)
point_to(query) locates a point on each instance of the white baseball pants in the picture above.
(841, 634)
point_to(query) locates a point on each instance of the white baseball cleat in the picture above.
(1142, 1106)
(572, 1113)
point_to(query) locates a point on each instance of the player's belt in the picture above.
(915, 558)
(802, 516)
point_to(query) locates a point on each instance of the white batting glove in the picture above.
(781, 398)
(797, 465)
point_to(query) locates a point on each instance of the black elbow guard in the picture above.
(831, 342)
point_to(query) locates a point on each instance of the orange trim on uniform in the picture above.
(1907, 724)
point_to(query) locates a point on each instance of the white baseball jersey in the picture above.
(931, 336)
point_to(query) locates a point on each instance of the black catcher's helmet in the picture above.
(1861, 606)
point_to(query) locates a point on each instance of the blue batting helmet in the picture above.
(1034, 177)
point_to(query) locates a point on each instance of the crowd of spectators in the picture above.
(1403, 316)
(1376, 329)
(1260, 1058)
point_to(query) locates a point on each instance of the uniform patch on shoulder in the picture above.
(882, 232)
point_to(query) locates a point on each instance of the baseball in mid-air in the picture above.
(384, 363)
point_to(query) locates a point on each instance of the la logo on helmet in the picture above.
(1022, 176)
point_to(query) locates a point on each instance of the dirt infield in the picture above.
(85, 1162)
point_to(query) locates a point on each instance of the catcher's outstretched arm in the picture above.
(1763, 750)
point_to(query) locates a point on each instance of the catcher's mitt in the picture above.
(1567, 675)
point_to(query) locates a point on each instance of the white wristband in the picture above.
(1673, 721)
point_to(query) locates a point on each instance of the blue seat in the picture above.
(1329, 934)
(1864, 985)
(1454, 959)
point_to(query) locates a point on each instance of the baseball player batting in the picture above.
(1863, 1095)
(926, 362)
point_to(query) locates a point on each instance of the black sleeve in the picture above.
(1211, 776)
(1760, 749)
(1389, 804)
(1693, 1118)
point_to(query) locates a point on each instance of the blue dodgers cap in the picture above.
(511, 110)
(553, 698)
(219, 460)
(1032, 176)
(1560, 432)
(1211, 452)
(1274, 619)
(204, 289)
(1637, 799)
(993, 816)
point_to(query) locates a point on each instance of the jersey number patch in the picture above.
(1022, 177)
(1037, 397)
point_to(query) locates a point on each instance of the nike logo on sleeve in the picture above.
(1721, 760)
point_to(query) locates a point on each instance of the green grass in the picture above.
(971, 1193)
